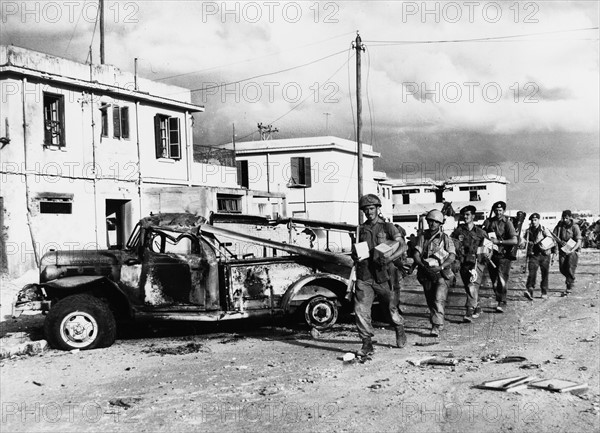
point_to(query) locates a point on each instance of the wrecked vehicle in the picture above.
(181, 267)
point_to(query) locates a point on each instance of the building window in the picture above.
(104, 119)
(54, 120)
(229, 203)
(120, 122)
(167, 137)
(405, 198)
(242, 173)
(472, 188)
(474, 196)
(56, 205)
(300, 173)
(405, 218)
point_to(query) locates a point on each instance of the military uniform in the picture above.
(538, 257)
(568, 262)
(468, 241)
(434, 284)
(500, 270)
(373, 279)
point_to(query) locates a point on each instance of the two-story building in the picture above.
(318, 175)
(86, 150)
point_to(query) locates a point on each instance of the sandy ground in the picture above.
(265, 377)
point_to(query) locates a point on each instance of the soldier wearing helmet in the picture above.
(373, 277)
(468, 238)
(502, 233)
(434, 255)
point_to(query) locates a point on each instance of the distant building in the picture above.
(86, 150)
(412, 198)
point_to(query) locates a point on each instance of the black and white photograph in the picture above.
(298, 216)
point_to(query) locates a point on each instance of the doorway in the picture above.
(118, 223)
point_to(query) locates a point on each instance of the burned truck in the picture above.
(182, 267)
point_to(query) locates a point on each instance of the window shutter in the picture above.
(116, 121)
(61, 120)
(242, 174)
(295, 170)
(125, 122)
(307, 178)
(158, 142)
(174, 138)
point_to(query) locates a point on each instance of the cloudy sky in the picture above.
(494, 88)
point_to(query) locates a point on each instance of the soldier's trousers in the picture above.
(567, 265)
(499, 276)
(471, 288)
(364, 295)
(436, 292)
(542, 263)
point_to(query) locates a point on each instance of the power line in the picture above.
(492, 38)
(202, 89)
(251, 59)
(298, 104)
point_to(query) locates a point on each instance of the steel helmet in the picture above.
(435, 215)
(369, 200)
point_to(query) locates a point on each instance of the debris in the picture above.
(510, 384)
(36, 383)
(426, 343)
(125, 402)
(432, 360)
(530, 366)
(507, 359)
(74, 351)
(560, 385)
(315, 333)
(177, 350)
(348, 357)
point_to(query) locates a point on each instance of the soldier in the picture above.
(468, 238)
(565, 231)
(502, 233)
(373, 276)
(434, 254)
(538, 255)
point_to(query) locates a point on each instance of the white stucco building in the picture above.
(318, 175)
(87, 150)
(412, 198)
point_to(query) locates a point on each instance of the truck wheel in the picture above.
(80, 322)
(321, 313)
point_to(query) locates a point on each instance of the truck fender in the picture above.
(95, 285)
(302, 290)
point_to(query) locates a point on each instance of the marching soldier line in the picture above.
(469, 250)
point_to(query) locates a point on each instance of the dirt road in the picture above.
(273, 378)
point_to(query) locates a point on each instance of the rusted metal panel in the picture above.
(256, 286)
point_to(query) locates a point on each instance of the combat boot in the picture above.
(367, 347)
(400, 336)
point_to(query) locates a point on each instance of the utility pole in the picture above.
(266, 131)
(358, 46)
(327, 123)
(101, 12)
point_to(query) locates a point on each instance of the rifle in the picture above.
(512, 252)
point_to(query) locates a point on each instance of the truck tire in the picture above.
(80, 322)
(320, 313)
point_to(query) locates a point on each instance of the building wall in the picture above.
(96, 174)
(333, 195)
